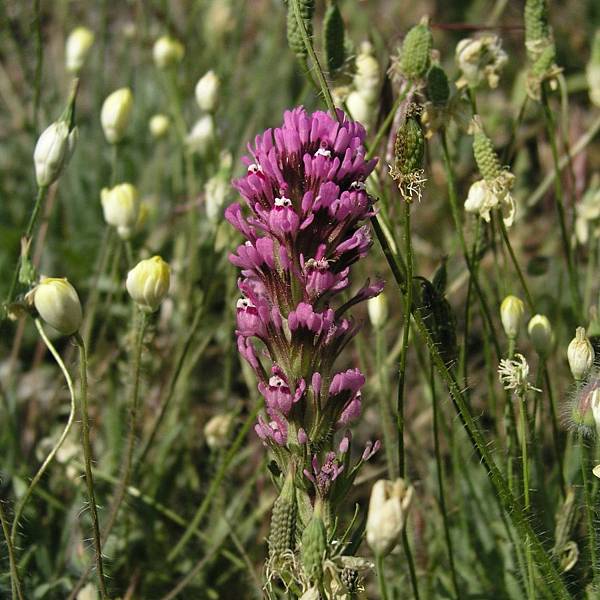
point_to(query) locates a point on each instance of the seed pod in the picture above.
(416, 50)
(536, 20)
(294, 35)
(314, 546)
(333, 37)
(485, 155)
(438, 90)
(409, 148)
(282, 536)
(545, 61)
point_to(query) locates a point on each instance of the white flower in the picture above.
(377, 308)
(202, 135)
(52, 151)
(588, 213)
(217, 429)
(359, 108)
(159, 125)
(77, 48)
(513, 374)
(167, 52)
(207, 91)
(480, 59)
(483, 197)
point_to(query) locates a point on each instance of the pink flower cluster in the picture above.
(305, 227)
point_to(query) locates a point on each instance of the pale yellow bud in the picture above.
(148, 283)
(378, 310)
(58, 304)
(217, 430)
(580, 354)
(540, 334)
(167, 52)
(121, 207)
(52, 152)
(359, 108)
(511, 314)
(77, 48)
(116, 113)
(88, 592)
(159, 125)
(388, 508)
(207, 91)
(216, 191)
(202, 135)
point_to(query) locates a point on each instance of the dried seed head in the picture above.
(416, 51)
(438, 89)
(333, 37)
(282, 536)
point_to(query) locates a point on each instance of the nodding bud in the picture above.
(511, 314)
(167, 52)
(217, 430)
(541, 335)
(378, 310)
(115, 114)
(52, 152)
(207, 91)
(148, 283)
(77, 48)
(388, 509)
(159, 125)
(580, 355)
(57, 303)
(121, 208)
(416, 51)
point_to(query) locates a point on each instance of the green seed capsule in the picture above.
(333, 37)
(545, 61)
(409, 148)
(485, 156)
(294, 35)
(314, 547)
(536, 20)
(416, 50)
(282, 536)
(438, 89)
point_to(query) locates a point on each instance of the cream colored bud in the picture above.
(77, 48)
(167, 52)
(596, 471)
(159, 125)
(88, 592)
(202, 135)
(216, 191)
(121, 207)
(378, 310)
(52, 152)
(580, 354)
(511, 315)
(217, 430)
(207, 91)
(148, 283)
(540, 334)
(388, 508)
(359, 108)
(116, 113)
(58, 304)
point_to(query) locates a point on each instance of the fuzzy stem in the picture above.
(87, 453)
(560, 207)
(15, 582)
(215, 483)
(21, 505)
(41, 194)
(589, 507)
(381, 577)
(440, 478)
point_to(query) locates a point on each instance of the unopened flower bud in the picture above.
(148, 283)
(116, 113)
(592, 70)
(52, 152)
(121, 208)
(88, 592)
(58, 304)
(511, 315)
(378, 310)
(167, 52)
(388, 509)
(202, 135)
(77, 48)
(540, 334)
(358, 107)
(159, 125)
(217, 429)
(207, 91)
(580, 354)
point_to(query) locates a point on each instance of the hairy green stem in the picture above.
(21, 505)
(87, 454)
(586, 453)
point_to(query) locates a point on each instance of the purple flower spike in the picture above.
(305, 225)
